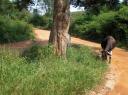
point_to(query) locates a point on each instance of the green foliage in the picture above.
(9, 9)
(14, 23)
(95, 27)
(44, 22)
(23, 15)
(50, 75)
(76, 15)
(22, 4)
(91, 26)
(14, 30)
(37, 52)
(78, 23)
(94, 6)
(6, 7)
(123, 12)
(18, 9)
(100, 20)
(49, 4)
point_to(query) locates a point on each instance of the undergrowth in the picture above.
(47, 74)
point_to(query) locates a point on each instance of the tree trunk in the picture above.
(59, 36)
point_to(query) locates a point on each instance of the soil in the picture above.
(119, 60)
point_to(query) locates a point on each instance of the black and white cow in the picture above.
(108, 44)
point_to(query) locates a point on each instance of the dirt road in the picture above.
(119, 59)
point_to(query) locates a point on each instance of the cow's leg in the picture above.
(110, 59)
(100, 53)
(110, 56)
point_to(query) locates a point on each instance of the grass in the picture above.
(49, 75)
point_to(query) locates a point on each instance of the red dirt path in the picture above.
(119, 58)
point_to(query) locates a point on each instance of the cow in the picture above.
(108, 44)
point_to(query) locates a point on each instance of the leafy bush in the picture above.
(24, 15)
(14, 30)
(37, 52)
(78, 23)
(123, 15)
(52, 75)
(96, 27)
(100, 20)
(44, 22)
(123, 12)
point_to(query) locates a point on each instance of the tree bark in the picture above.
(59, 36)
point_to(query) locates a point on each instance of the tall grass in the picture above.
(49, 75)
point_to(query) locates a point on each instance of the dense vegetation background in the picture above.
(96, 27)
(16, 20)
(99, 19)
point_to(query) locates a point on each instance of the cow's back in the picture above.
(108, 43)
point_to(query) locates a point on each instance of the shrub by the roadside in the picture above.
(14, 30)
(37, 52)
(79, 20)
(44, 21)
